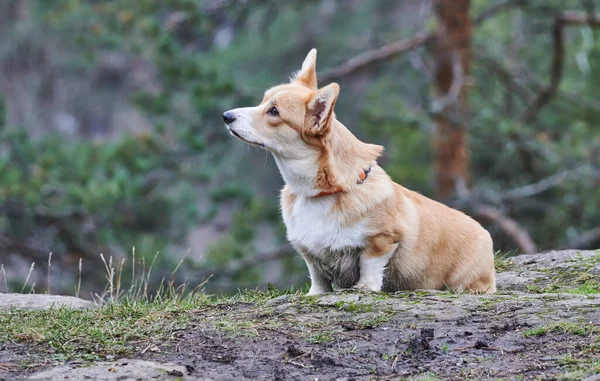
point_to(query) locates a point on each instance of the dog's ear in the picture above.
(308, 74)
(320, 109)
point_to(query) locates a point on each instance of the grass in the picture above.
(260, 297)
(237, 327)
(127, 319)
(130, 320)
(580, 374)
(354, 307)
(445, 347)
(320, 338)
(577, 285)
(126, 325)
(579, 329)
(578, 367)
(376, 320)
(427, 376)
(588, 288)
(112, 329)
(503, 261)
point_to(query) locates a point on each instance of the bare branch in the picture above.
(494, 9)
(546, 95)
(378, 55)
(68, 227)
(522, 88)
(442, 104)
(30, 252)
(513, 230)
(547, 183)
(396, 48)
(578, 100)
(506, 77)
(574, 18)
(470, 203)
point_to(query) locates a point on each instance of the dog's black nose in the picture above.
(228, 117)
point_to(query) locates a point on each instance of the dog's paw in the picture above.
(316, 291)
(367, 287)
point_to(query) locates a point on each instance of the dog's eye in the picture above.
(273, 111)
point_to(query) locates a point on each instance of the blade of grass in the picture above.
(28, 276)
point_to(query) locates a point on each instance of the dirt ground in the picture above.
(421, 335)
(432, 337)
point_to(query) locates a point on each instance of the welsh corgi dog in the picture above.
(354, 226)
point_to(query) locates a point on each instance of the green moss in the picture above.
(488, 301)
(381, 296)
(576, 279)
(416, 293)
(588, 288)
(321, 338)
(376, 320)
(354, 307)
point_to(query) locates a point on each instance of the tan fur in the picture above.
(432, 246)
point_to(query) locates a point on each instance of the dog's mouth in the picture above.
(233, 133)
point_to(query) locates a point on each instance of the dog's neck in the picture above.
(334, 168)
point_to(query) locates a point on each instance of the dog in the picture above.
(354, 226)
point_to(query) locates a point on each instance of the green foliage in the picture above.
(565, 135)
(139, 190)
(386, 117)
(2, 114)
(114, 187)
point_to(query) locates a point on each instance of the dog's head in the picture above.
(291, 117)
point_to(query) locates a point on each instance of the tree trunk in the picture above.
(453, 58)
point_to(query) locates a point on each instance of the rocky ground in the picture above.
(544, 323)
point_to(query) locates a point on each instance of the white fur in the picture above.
(372, 269)
(299, 174)
(311, 225)
(318, 284)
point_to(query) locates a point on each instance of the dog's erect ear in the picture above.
(308, 74)
(320, 109)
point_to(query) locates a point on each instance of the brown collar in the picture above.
(362, 176)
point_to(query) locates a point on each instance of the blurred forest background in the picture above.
(112, 141)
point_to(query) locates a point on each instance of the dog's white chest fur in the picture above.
(312, 225)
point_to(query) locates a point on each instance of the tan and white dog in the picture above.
(351, 223)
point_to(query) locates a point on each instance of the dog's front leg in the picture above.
(319, 282)
(372, 268)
